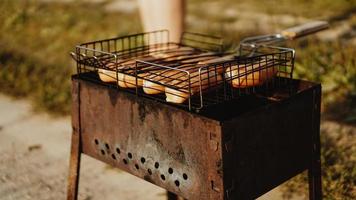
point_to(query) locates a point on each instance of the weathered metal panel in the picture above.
(269, 145)
(164, 145)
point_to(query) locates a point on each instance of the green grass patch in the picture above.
(36, 38)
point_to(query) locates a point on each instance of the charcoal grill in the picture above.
(224, 141)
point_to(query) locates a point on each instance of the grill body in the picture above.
(236, 150)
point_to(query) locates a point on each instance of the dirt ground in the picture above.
(34, 158)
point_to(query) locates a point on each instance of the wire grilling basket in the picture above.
(193, 74)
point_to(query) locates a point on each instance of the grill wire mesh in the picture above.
(192, 74)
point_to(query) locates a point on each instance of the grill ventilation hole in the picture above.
(185, 176)
(156, 165)
(129, 155)
(143, 160)
(102, 152)
(170, 171)
(118, 150)
(113, 156)
(163, 177)
(107, 146)
(176, 182)
(96, 141)
(125, 161)
(137, 167)
(149, 171)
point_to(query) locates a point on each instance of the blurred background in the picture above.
(36, 37)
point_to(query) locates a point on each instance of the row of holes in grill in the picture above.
(143, 160)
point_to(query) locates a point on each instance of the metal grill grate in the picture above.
(192, 74)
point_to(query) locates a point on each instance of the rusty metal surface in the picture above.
(169, 147)
(237, 151)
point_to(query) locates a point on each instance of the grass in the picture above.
(36, 38)
(35, 41)
(332, 64)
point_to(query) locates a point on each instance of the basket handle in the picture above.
(305, 29)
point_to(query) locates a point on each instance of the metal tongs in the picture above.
(253, 43)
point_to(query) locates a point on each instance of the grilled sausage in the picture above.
(124, 80)
(150, 87)
(208, 79)
(243, 76)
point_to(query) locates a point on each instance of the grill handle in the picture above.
(305, 29)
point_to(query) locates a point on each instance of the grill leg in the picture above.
(314, 177)
(314, 172)
(74, 167)
(172, 196)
